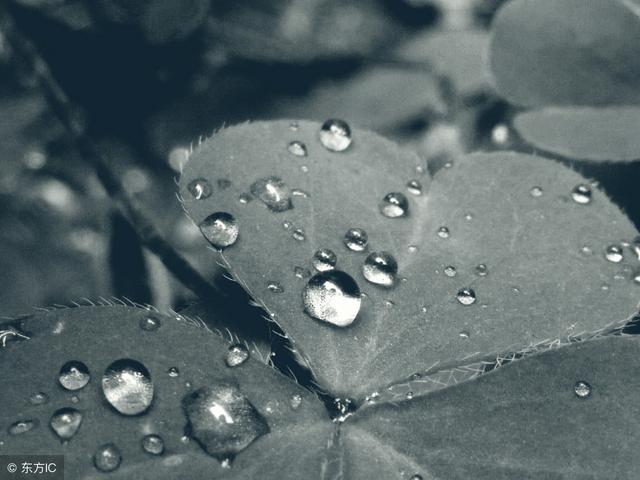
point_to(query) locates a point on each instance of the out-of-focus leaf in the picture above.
(546, 52)
(597, 134)
(498, 210)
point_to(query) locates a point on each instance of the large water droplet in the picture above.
(22, 426)
(65, 422)
(222, 420)
(297, 148)
(127, 386)
(356, 239)
(335, 135)
(380, 268)
(466, 296)
(581, 194)
(220, 229)
(273, 192)
(324, 259)
(74, 375)
(200, 188)
(153, 444)
(107, 458)
(414, 187)
(236, 355)
(394, 205)
(333, 297)
(613, 253)
(582, 389)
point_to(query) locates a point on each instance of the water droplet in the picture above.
(635, 246)
(199, 188)
(74, 375)
(222, 420)
(424, 308)
(373, 398)
(450, 271)
(173, 372)
(380, 268)
(287, 225)
(296, 401)
(236, 355)
(65, 422)
(466, 296)
(298, 234)
(416, 477)
(275, 287)
(23, 426)
(468, 216)
(344, 408)
(414, 187)
(293, 126)
(220, 229)
(333, 297)
(297, 148)
(296, 192)
(107, 458)
(585, 250)
(443, 232)
(356, 239)
(153, 444)
(301, 272)
(636, 277)
(127, 386)
(149, 324)
(273, 192)
(335, 135)
(500, 135)
(408, 395)
(481, 270)
(324, 259)
(245, 198)
(582, 389)
(39, 398)
(536, 192)
(464, 334)
(394, 205)
(613, 253)
(581, 194)
(389, 303)
(304, 169)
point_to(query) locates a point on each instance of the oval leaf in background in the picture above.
(475, 269)
(546, 52)
(596, 134)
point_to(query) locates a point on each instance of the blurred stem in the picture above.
(67, 113)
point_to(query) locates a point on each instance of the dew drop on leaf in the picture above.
(536, 192)
(450, 271)
(443, 232)
(236, 355)
(74, 375)
(296, 192)
(613, 253)
(412, 248)
(273, 192)
(464, 334)
(107, 458)
(296, 401)
(356, 239)
(582, 389)
(149, 324)
(466, 296)
(297, 148)
(153, 444)
(200, 188)
(220, 229)
(22, 426)
(324, 259)
(222, 420)
(380, 268)
(301, 272)
(636, 277)
(414, 187)
(65, 422)
(299, 235)
(38, 398)
(416, 477)
(173, 372)
(335, 135)
(481, 270)
(275, 287)
(394, 205)
(581, 194)
(333, 297)
(127, 386)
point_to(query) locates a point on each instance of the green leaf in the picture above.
(536, 288)
(523, 420)
(563, 52)
(97, 337)
(596, 134)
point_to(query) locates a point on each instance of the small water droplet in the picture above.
(356, 239)
(450, 271)
(273, 192)
(635, 246)
(200, 188)
(245, 198)
(443, 232)
(304, 169)
(636, 277)
(299, 235)
(335, 135)
(225, 463)
(324, 259)
(153, 444)
(585, 250)
(414, 187)
(220, 229)
(408, 395)
(613, 253)
(536, 192)
(373, 398)
(297, 148)
(581, 194)
(293, 126)
(173, 372)
(389, 303)
(424, 308)
(107, 458)
(301, 272)
(468, 216)
(582, 389)
(287, 225)
(75, 399)
(481, 270)
(275, 287)
(65, 422)
(333, 297)
(22, 426)
(74, 375)
(222, 420)
(466, 296)
(412, 249)
(39, 398)
(149, 324)
(416, 477)
(127, 386)
(295, 401)
(394, 205)
(380, 268)
(464, 334)
(500, 135)
(236, 355)
(296, 192)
